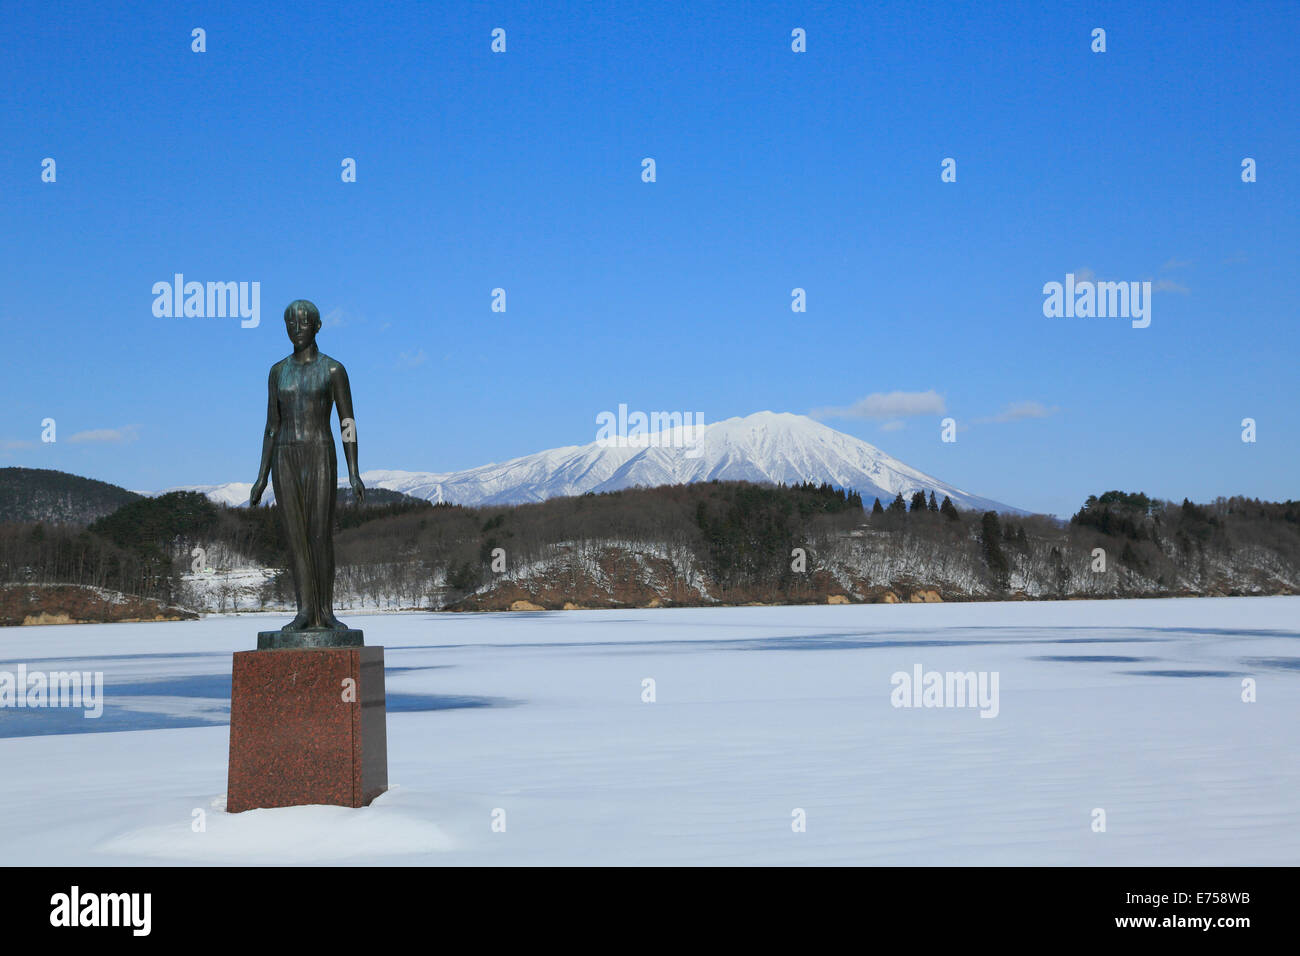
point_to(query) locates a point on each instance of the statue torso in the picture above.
(305, 396)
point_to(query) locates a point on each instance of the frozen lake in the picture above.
(1130, 707)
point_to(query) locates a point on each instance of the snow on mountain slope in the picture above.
(232, 493)
(763, 447)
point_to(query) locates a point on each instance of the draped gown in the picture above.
(304, 474)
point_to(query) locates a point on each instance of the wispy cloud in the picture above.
(335, 318)
(893, 426)
(15, 444)
(123, 433)
(342, 315)
(1019, 411)
(887, 405)
(1084, 274)
(411, 359)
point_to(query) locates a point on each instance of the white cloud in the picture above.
(346, 315)
(887, 405)
(1084, 274)
(124, 433)
(1019, 411)
(411, 359)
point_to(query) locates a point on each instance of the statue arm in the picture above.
(348, 426)
(268, 438)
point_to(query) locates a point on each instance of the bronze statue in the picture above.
(298, 450)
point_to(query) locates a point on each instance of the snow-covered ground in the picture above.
(1131, 707)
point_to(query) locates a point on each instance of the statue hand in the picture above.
(255, 495)
(358, 489)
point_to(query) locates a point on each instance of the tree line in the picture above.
(733, 541)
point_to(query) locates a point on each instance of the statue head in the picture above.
(301, 322)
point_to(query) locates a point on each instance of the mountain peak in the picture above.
(764, 447)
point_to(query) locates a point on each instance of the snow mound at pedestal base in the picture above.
(389, 827)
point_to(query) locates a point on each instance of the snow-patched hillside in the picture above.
(763, 447)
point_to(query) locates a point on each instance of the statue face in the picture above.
(301, 328)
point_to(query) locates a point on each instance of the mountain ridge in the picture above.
(764, 447)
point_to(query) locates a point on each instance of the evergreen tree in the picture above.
(876, 509)
(918, 501)
(1129, 557)
(948, 509)
(934, 505)
(994, 557)
(898, 505)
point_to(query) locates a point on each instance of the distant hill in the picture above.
(42, 494)
(235, 494)
(377, 496)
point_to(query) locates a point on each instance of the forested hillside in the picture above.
(706, 543)
(40, 494)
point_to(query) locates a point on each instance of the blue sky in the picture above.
(775, 170)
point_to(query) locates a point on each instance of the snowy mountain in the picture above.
(763, 447)
(233, 493)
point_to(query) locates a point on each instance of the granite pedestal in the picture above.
(307, 723)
